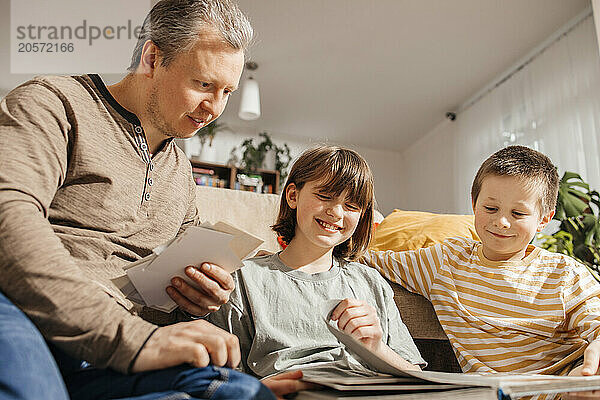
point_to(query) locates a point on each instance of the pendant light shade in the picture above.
(250, 103)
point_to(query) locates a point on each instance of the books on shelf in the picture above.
(208, 177)
(203, 171)
(211, 181)
(229, 176)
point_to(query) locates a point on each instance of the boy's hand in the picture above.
(214, 283)
(286, 383)
(591, 359)
(360, 320)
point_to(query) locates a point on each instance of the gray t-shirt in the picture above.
(275, 311)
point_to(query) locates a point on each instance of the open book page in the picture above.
(511, 384)
(455, 394)
(219, 244)
(371, 384)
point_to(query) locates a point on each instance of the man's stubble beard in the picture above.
(157, 117)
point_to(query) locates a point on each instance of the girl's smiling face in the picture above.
(322, 220)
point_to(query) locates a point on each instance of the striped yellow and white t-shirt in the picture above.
(534, 315)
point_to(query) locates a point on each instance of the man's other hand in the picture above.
(214, 287)
(198, 343)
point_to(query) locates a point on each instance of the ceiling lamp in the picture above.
(250, 103)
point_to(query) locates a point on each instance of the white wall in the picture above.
(389, 183)
(427, 172)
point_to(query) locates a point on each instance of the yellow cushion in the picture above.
(410, 230)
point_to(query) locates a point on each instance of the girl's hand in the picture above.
(360, 320)
(286, 383)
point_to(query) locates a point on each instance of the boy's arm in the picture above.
(581, 296)
(414, 269)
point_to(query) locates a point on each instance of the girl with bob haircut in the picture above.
(277, 307)
(339, 171)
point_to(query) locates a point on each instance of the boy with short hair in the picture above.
(506, 305)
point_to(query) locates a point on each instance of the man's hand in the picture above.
(360, 320)
(214, 287)
(196, 342)
(286, 383)
(591, 359)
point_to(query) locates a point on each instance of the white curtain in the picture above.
(552, 104)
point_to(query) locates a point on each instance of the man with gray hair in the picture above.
(90, 180)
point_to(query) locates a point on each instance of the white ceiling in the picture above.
(382, 73)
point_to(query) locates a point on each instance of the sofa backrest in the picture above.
(251, 212)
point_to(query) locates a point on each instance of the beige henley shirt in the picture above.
(79, 197)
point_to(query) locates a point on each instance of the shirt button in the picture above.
(138, 129)
(147, 197)
(150, 182)
(144, 146)
(151, 166)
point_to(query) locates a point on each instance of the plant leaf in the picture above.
(573, 206)
(570, 175)
(580, 184)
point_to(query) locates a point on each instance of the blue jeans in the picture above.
(84, 382)
(182, 382)
(27, 369)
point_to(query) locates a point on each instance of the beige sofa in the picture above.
(255, 213)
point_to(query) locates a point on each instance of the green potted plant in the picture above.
(282, 160)
(208, 132)
(578, 210)
(253, 156)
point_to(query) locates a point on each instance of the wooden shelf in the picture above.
(228, 176)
